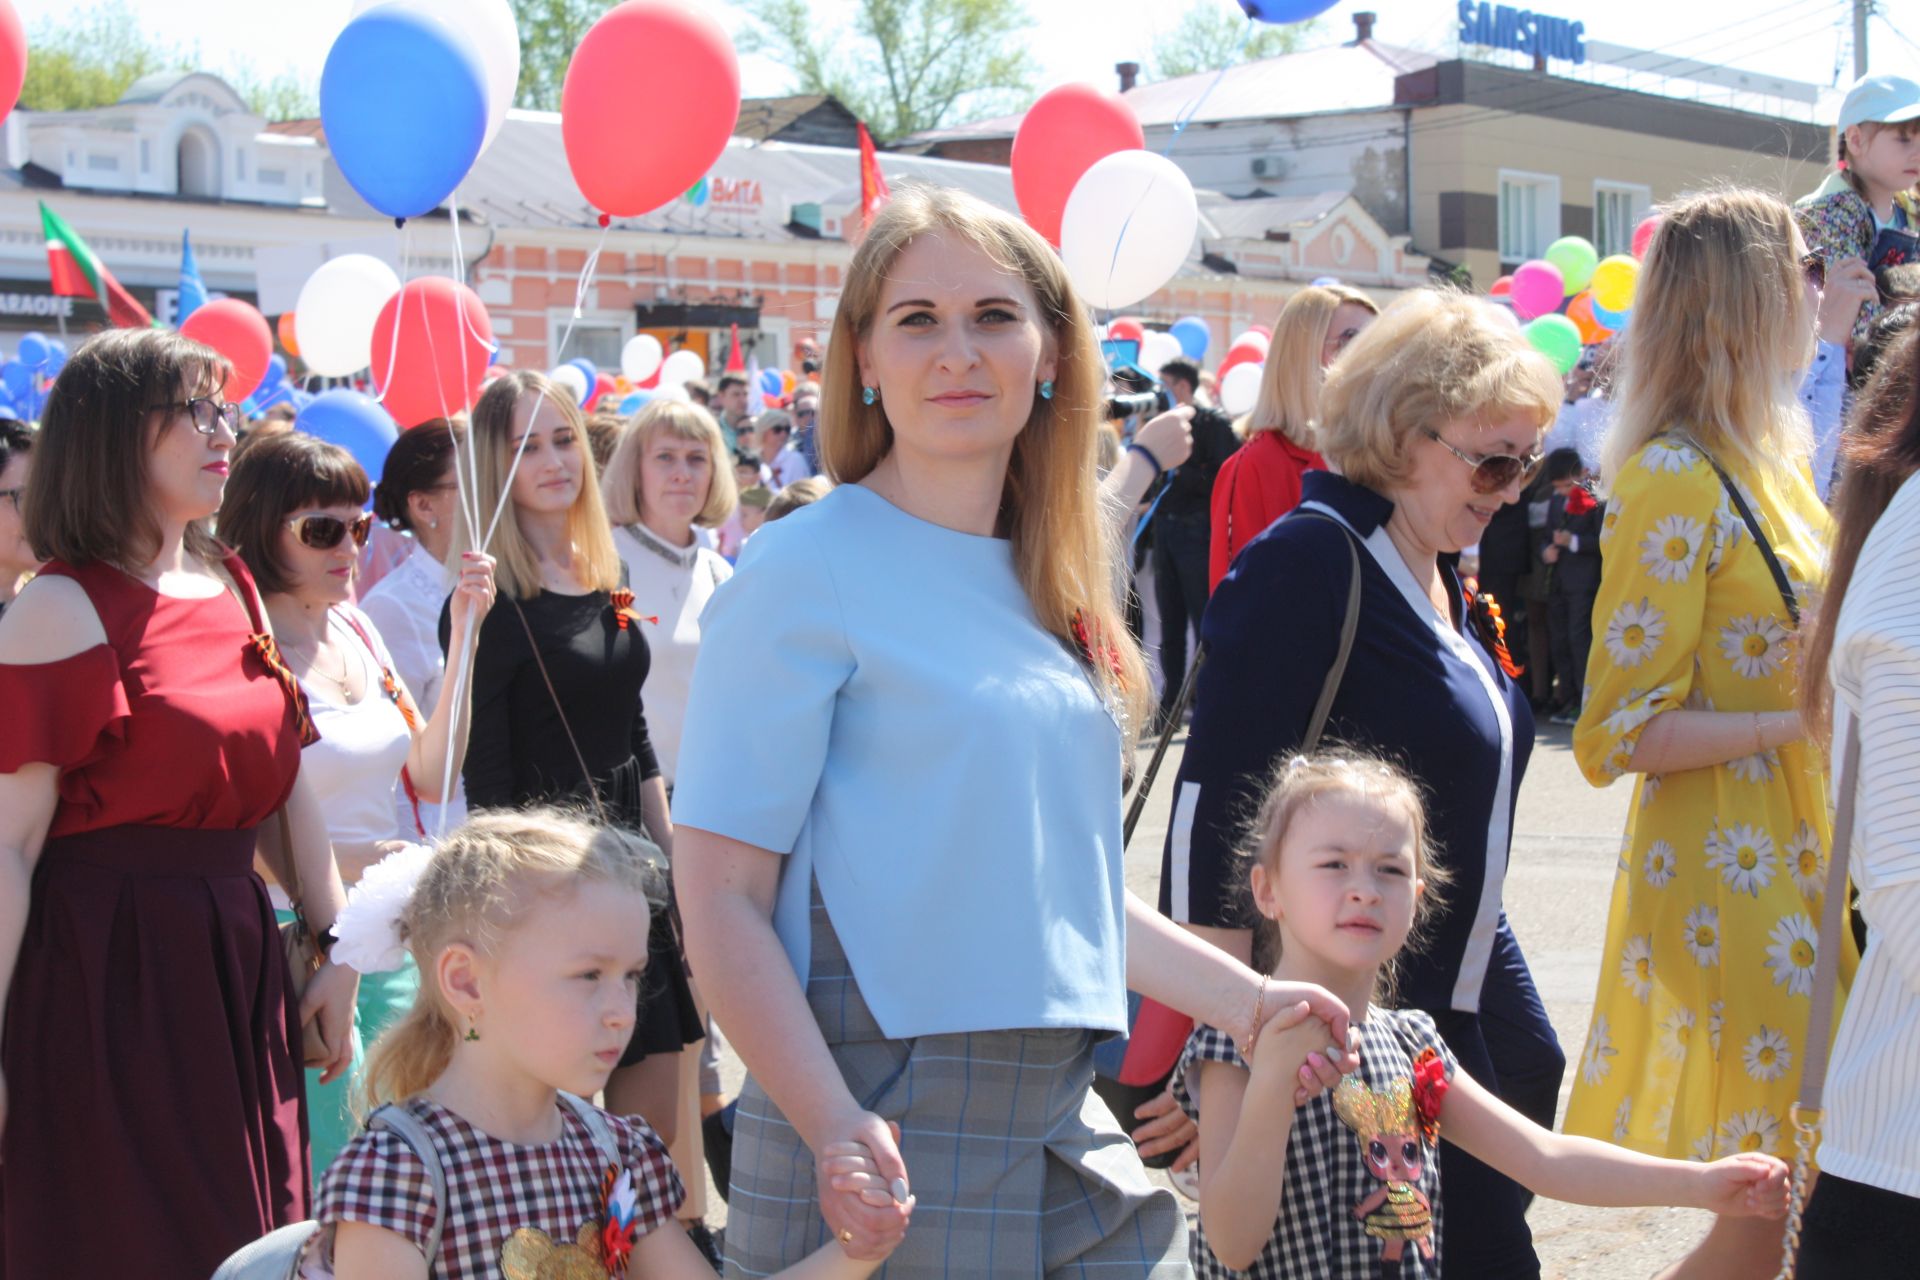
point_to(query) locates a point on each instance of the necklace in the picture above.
(679, 557)
(341, 681)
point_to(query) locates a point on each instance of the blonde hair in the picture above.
(1063, 545)
(1434, 356)
(482, 879)
(1721, 330)
(684, 421)
(801, 493)
(517, 567)
(1301, 781)
(1290, 388)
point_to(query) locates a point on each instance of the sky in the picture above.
(1083, 39)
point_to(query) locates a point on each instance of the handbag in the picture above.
(1807, 1112)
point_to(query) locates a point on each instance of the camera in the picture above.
(1136, 395)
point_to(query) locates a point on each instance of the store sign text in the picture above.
(1523, 31)
(35, 304)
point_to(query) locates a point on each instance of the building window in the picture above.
(146, 155)
(273, 177)
(103, 164)
(1529, 214)
(1618, 208)
(598, 343)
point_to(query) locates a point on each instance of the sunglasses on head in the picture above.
(1494, 471)
(323, 533)
(1815, 268)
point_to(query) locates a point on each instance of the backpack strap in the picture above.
(596, 1121)
(405, 1125)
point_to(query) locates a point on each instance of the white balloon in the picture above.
(1502, 312)
(569, 378)
(1252, 338)
(1240, 389)
(640, 357)
(496, 38)
(1128, 228)
(679, 369)
(1158, 348)
(336, 311)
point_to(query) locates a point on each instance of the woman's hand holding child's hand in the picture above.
(1295, 1052)
(1748, 1185)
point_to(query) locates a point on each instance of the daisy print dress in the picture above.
(1702, 1006)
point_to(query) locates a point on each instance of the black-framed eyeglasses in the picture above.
(207, 413)
(1815, 268)
(323, 533)
(13, 496)
(1493, 472)
(778, 431)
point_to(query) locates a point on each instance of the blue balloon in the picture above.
(276, 371)
(1614, 320)
(34, 350)
(1326, 282)
(353, 421)
(17, 378)
(1282, 11)
(56, 356)
(636, 401)
(1194, 336)
(771, 383)
(403, 101)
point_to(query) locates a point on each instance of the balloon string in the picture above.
(587, 272)
(460, 257)
(506, 486)
(393, 351)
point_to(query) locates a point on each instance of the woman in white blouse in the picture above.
(1863, 660)
(416, 496)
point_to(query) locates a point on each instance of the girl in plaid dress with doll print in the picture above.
(1308, 1173)
(530, 931)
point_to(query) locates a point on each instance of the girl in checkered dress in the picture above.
(1308, 1174)
(530, 931)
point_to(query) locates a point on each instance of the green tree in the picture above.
(90, 58)
(550, 30)
(902, 66)
(285, 97)
(1212, 34)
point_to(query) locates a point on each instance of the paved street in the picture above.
(1563, 858)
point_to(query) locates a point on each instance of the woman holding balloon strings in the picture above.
(1261, 482)
(914, 915)
(293, 512)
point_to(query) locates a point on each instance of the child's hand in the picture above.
(850, 1167)
(1318, 1075)
(1322, 1004)
(1749, 1185)
(1291, 1036)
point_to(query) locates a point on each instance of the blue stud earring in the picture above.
(868, 395)
(1046, 389)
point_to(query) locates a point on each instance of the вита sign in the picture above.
(1523, 31)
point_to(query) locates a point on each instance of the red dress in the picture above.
(1256, 486)
(155, 1116)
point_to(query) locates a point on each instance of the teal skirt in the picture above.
(384, 1000)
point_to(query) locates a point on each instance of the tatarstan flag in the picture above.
(79, 273)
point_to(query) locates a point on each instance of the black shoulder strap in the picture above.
(1349, 629)
(1774, 566)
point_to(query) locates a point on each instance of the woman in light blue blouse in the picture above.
(913, 922)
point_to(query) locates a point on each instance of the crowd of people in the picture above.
(385, 857)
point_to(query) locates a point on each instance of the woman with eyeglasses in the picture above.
(16, 554)
(293, 510)
(1261, 482)
(152, 1046)
(1431, 422)
(1713, 545)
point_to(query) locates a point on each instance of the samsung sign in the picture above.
(1523, 31)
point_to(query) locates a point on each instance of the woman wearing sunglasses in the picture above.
(1431, 421)
(152, 1044)
(293, 510)
(1693, 678)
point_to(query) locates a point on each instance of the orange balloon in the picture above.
(285, 328)
(1580, 311)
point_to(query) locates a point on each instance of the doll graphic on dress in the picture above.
(1391, 1143)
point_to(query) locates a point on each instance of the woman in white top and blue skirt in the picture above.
(899, 850)
(1863, 660)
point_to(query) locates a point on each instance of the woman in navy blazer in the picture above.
(1431, 422)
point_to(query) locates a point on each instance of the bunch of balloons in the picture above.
(24, 379)
(1571, 297)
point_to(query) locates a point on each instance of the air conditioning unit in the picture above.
(1260, 166)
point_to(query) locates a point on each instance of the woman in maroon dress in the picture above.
(152, 1097)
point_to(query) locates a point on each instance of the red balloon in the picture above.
(1235, 358)
(1243, 351)
(1502, 288)
(1643, 234)
(435, 367)
(239, 332)
(13, 57)
(1262, 330)
(662, 62)
(602, 385)
(1060, 138)
(1127, 329)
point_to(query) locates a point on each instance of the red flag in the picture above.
(736, 362)
(873, 183)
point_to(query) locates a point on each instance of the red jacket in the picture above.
(1256, 486)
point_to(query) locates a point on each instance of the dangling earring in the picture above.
(473, 1032)
(1046, 389)
(869, 395)
(433, 524)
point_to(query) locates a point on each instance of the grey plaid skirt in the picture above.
(1018, 1168)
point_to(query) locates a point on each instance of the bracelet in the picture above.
(1143, 451)
(1259, 1003)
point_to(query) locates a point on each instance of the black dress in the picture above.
(518, 751)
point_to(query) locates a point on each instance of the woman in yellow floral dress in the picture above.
(1702, 1005)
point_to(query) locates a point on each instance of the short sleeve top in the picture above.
(176, 721)
(875, 697)
(501, 1193)
(1347, 1148)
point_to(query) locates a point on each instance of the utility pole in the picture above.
(1861, 10)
